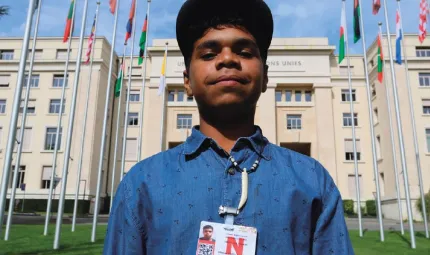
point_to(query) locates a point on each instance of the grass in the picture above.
(28, 239)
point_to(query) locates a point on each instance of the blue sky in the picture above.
(293, 18)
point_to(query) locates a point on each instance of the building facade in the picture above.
(305, 108)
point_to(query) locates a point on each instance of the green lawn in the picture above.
(29, 240)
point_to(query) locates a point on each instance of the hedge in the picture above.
(348, 207)
(371, 207)
(39, 205)
(427, 201)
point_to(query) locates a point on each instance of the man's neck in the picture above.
(226, 134)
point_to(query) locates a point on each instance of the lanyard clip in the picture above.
(229, 213)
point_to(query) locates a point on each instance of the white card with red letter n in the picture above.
(217, 239)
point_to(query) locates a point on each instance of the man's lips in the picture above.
(229, 80)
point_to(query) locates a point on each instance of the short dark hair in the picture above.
(208, 227)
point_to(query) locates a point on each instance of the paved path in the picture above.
(373, 224)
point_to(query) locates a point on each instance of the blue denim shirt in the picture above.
(292, 200)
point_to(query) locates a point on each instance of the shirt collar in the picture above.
(258, 142)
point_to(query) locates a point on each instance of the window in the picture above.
(62, 54)
(347, 120)
(131, 149)
(426, 106)
(180, 97)
(50, 139)
(375, 115)
(1, 134)
(288, 95)
(190, 99)
(2, 106)
(424, 79)
(184, 121)
(134, 96)
(171, 96)
(4, 81)
(6, 54)
(133, 119)
(37, 54)
(58, 81)
(298, 95)
(428, 139)
(308, 96)
(26, 142)
(378, 147)
(349, 149)
(343, 70)
(21, 176)
(346, 97)
(278, 95)
(294, 121)
(46, 177)
(352, 186)
(54, 105)
(422, 52)
(373, 90)
(34, 81)
(31, 106)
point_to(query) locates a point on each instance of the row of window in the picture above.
(287, 95)
(45, 178)
(57, 81)
(54, 106)
(61, 54)
(178, 95)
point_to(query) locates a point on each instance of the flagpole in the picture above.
(15, 110)
(70, 132)
(118, 116)
(372, 131)
(354, 139)
(105, 120)
(163, 99)
(139, 149)
(399, 127)
(57, 132)
(393, 145)
(23, 121)
(81, 151)
(127, 106)
(414, 129)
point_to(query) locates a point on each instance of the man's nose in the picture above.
(227, 59)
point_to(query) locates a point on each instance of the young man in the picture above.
(291, 199)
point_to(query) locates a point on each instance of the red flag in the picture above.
(69, 22)
(376, 6)
(90, 42)
(130, 21)
(112, 6)
(424, 9)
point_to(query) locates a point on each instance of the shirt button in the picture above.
(231, 171)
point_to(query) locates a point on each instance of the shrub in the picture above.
(371, 207)
(348, 207)
(419, 205)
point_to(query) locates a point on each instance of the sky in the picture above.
(292, 18)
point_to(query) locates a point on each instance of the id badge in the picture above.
(217, 238)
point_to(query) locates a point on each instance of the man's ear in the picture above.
(265, 78)
(187, 84)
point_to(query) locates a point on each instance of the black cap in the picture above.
(196, 16)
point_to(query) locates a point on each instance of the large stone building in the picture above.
(305, 108)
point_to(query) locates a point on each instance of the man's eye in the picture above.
(208, 56)
(246, 54)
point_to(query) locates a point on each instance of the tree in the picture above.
(4, 10)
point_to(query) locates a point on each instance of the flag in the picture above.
(130, 21)
(380, 60)
(36, 5)
(342, 40)
(357, 34)
(424, 10)
(112, 6)
(118, 83)
(142, 42)
(91, 41)
(399, 38)
(69, 21)
(163, 74)
(376, 6)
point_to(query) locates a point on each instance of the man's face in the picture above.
(226, 69)
(207, 233)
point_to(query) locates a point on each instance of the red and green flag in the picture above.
(142, 42)
(69, 21)
(342, 39)
(118, 83)
(380, 60)
(357, 33)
